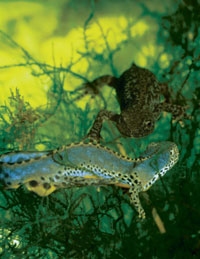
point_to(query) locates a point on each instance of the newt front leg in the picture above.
(135, 200)
(94, 133)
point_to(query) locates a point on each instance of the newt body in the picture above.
(87, 164)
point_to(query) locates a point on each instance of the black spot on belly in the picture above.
(6, 175)
(46, 186)
(27, 160)
(19, 162)
(33, 183)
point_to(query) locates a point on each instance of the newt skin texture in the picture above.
(139, 96)
(85, 164)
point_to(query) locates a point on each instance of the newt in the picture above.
(140, 97)
(85, 164)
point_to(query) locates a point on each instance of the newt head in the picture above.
(136, 124)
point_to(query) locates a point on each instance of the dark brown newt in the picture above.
(140, 98)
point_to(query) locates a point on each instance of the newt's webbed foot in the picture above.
(91, 89)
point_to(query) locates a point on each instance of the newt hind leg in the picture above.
(92, 87)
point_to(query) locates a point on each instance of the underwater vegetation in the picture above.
(43, 106)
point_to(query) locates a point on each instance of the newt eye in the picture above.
(148, 124)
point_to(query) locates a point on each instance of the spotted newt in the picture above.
(85, 164)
